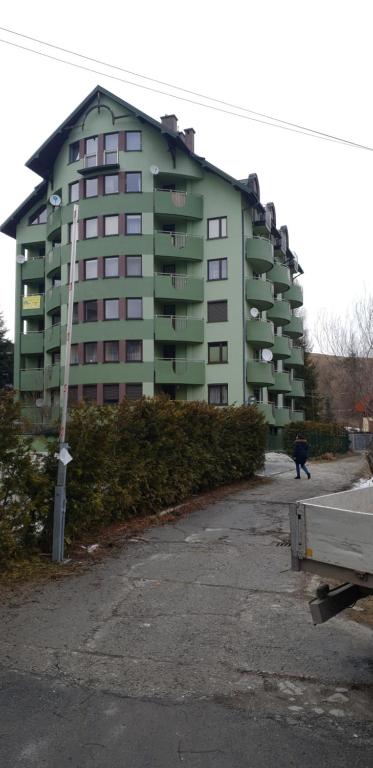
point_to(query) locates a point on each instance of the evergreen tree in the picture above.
(312, 405)
(6, 356)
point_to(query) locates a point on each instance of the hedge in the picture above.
(323, 437)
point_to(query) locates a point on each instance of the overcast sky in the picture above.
(306, 62)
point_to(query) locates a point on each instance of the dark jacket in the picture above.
(300, 451)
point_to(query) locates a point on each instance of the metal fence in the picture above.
(360, 441)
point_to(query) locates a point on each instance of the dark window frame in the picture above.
(90, 197)
(134, 341)
(220, 261)
(36, 215)
(135, 298)
(90, 218)
(219, 219)
(111, 341)
(109, 401)
(132, 256)
(221, 345)
(90, 362)
(125, 141)
(110, 277)
(74, 184)
(90, 400)
(75, 348)
(133, 384)
(85, 269)
(131, 191)
(221, 301)
(108, 319)
(109, 175)
(74, 144)
(132, 234)
(221, 386)
(90, 301)
(111, 216)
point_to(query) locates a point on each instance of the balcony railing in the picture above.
(178, 203)
(178, 328)
(179, 371)
(179, 245)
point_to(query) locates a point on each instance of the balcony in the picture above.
(33, 306)
(53, 259)
(32, 380)
(178, 204)
(259, 253)
(280, 277)
(282, 383)
(259, 373)
(54, 222)
(178, 245)
(282, 348)
(296, 359)
(179, 371)
(297, 388)
(32, 343)
(178, 328)
(282, 416)
(295, 328)
(178, 288)
(296, 416)
(53, 298)
(259, 334)
(33, 269)
(295, 296)
(267, 410)
(52, 337)
(259, 293)
(280, 313)
(52, 375)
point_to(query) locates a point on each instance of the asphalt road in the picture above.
(193, 646)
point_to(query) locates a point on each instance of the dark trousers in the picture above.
(301, 465)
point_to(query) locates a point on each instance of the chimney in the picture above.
(169, 121)
(189, 138)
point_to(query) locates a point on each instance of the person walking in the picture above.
(300, 455)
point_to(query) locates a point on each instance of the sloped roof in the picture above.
(38, 195)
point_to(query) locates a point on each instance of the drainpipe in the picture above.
(244, 385)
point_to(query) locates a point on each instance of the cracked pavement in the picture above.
(193, 645)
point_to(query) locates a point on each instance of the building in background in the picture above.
(184, 284)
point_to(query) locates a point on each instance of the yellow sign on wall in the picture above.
(31, 302)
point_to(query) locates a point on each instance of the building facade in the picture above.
(184, 285)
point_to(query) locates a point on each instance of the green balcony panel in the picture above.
(111, 373)
(267, 410)
(259, 334)
(32, 380)
(53, 298)
(282, 416)
(295, 328)
(297, 388)
(296, 359)
(54, 222)
(282, 348)
(179, 371)
(280, 277)
(295, 296)
(33, 269)
(181, 204)
(296, 416)
(259, 293)
(281, 382)
(173, 329)
(32, 415)
(32, 306)
(112, 330)
(52, 337)
(259, 373)
(32, 343)
(178, 288)
(53, 260)
(259, 253)
(108, 246)
(178, 245)
(53, 376)
(110, 288)
(280, 313)
(137, 202)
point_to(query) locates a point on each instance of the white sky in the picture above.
(306, 62)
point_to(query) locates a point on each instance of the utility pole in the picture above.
(63, 454)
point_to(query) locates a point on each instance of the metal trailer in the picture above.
(332, 536)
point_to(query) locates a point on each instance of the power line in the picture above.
(185, 90)
(304, 132)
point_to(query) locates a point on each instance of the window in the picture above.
(56, 318)
(133, 141)
(90, 352)
(73, 396)
(90, 393)
(74, 192)
(217, 269)
(91, 152)
(75, 312)
(91, 187)
(111, 184)
(217, 311)
(133, 266)
(39, 217)
(111, 351)
(91, 228)
(56, 356)
(133, 224)
(111, 148)
(56, 281)
(133, 351)
(218, 352)
(134, 309)
(133, 391)
(111, 225)
(111, 266)
(218, 394)
(111, 309)
(216, 228)
(70, 226)
(74, 357)
(76, 271)
(133, 182)
(90, 269)
(111, 394)
(74, 153)
(90, 311)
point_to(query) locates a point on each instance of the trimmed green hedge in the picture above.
(323, 437)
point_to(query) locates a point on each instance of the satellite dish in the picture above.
(254, 312)
(20, 258)
(154, 170)
(267, 355)
(55, 200)
(251, 400)
(39, 402)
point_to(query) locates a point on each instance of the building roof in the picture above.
(9, 227)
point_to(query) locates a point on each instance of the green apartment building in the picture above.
(184, 284)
